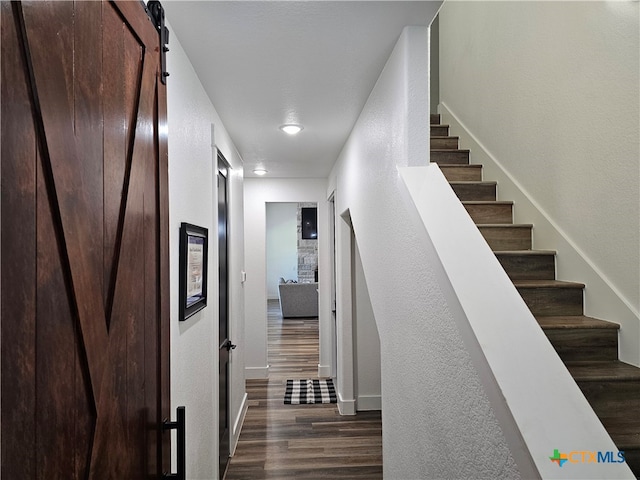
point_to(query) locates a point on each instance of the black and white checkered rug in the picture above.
(310, 391)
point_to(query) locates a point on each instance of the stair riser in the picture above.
(439, 130)
(507, 238)
(445, 142)
(435, 118)
(462, 173)
(453, 157)
(553, 301)
(475, 192)
(589, 344)
(491, 213)
(528, 267)
(612, 399)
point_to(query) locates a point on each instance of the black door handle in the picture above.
(228, 345)
(180, 426)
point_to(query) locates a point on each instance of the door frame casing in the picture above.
(223, 168)
(344, 314)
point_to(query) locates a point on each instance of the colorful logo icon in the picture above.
(559, 458)
(581, 456)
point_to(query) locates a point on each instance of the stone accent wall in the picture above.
(307, 251)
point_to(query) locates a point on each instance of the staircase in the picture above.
(587, 346)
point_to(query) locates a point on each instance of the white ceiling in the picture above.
(267, 63)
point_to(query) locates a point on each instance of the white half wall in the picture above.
(258, 192)
(534, 396)
(282, 245)
(437, 421)
(192, 190)
(547, 96)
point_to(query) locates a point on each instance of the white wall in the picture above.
(546, 94)
(258, 192)
(368, 386)
(282, 245)
(192, 190)
(437, 421)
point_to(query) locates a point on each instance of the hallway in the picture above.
(310, 441)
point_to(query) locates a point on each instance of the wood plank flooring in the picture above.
(302, 442)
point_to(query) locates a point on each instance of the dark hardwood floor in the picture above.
(302, 442)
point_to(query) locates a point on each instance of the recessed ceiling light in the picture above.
(260, 171)
(291, 128)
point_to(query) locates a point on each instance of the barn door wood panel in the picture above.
(84, 242)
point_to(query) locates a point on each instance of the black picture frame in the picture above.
(194, 253)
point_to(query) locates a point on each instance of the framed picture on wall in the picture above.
(193, 269)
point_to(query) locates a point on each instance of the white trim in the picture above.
(237, 425)
(346, 407)
(369, 402)
(324, 371)
(256, 373)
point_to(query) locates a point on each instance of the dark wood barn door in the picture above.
(84, 243)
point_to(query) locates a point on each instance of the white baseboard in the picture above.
(368, 402)
(602, 299)
(237, 425)
(346, 407)
(256, 373)
(324, 371)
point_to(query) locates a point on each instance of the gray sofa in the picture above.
(298, 299)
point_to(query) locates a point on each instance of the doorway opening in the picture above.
(225, 344)
(292, 275)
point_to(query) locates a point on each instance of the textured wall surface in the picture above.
(551, 89)
(194, 343)
(437, 419)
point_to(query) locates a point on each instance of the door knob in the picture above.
(229, 346)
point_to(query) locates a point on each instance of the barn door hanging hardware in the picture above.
(156, 13)
(178, 425)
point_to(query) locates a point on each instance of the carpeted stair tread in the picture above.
(603, 371)
(562, 322)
